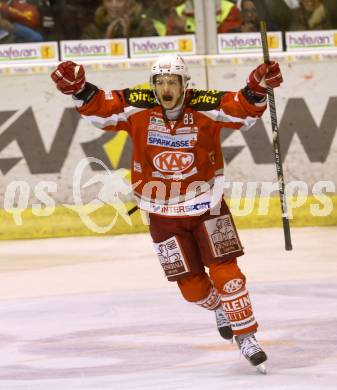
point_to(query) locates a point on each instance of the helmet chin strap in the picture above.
(174, 112)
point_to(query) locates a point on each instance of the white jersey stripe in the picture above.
(100, 122)
(111, 120)
(220, 116)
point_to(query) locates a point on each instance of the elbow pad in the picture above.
(87, 93)
(251, 97)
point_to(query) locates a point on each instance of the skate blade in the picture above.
(261, 368)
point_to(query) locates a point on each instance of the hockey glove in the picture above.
(264, 75)
(69, 77)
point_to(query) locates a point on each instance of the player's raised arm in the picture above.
(104, 110)
(241, 109)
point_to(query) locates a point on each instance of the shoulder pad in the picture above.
(142, 98)
(205, 100)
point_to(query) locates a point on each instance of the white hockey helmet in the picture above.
(170, 64)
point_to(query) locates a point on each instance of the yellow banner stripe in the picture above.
(64, 222)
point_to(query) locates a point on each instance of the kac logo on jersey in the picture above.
(173, 161)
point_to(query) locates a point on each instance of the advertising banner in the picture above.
(94, 49)
(248, 42)
(311, 40)
(21, 53)
(152, 46)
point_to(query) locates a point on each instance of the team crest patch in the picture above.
(171, 257)
(222, 236)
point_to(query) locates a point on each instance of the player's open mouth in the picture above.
(167, 98)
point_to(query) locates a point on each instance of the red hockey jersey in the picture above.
(177, 166)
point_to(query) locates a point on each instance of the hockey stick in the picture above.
(132, 210)
(276, 143)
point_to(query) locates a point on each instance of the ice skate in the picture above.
(251, 350)
(224, 326)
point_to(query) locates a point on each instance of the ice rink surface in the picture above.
(98, 314)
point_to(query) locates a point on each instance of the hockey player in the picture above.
(177, 168)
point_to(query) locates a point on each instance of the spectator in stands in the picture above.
(75, 15)
(176, 17)
(19, 20)
(310, 15)
(49, 26)
(332, 12)
(181, 19)
(292, 3)
(278, 12)
(145, 3)
(250, 18)
(228, 16)
(118, 19)
(169, 18)
(6, 31)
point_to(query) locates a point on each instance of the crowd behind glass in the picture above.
(50, 20)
